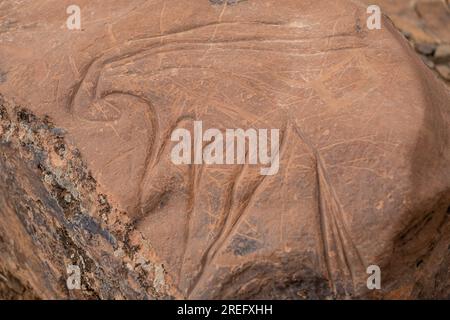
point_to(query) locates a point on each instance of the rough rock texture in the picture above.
(426, 23)
(86, 176)
(53, 216)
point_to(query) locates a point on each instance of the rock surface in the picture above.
(86, 176)
(426, 23)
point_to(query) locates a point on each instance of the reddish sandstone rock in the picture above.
(426, 24)
(364, 159)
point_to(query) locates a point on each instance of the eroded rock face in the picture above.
(426, 25)
(53, 217)
(364, 173)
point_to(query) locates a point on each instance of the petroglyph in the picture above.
(363, 144)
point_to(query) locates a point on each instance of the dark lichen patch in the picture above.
(84, 217)
(128, 247)
(358, 27)
(3, 112)
(228, 2)
(2, 77)
(24, 116)
(77, 255)
(5, 123)
(93, 227)
(104, 206)
(242, 246)
(283, 278)
(60, 147)
(70, 205)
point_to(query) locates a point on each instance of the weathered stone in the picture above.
(444, 71)
(430, 64)
(442, 53)
(364, 173)
(425, 23)
(435, 15)
(425, 48)
(415, 31)
(427, 18)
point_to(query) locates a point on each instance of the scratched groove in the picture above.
(364, 160)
